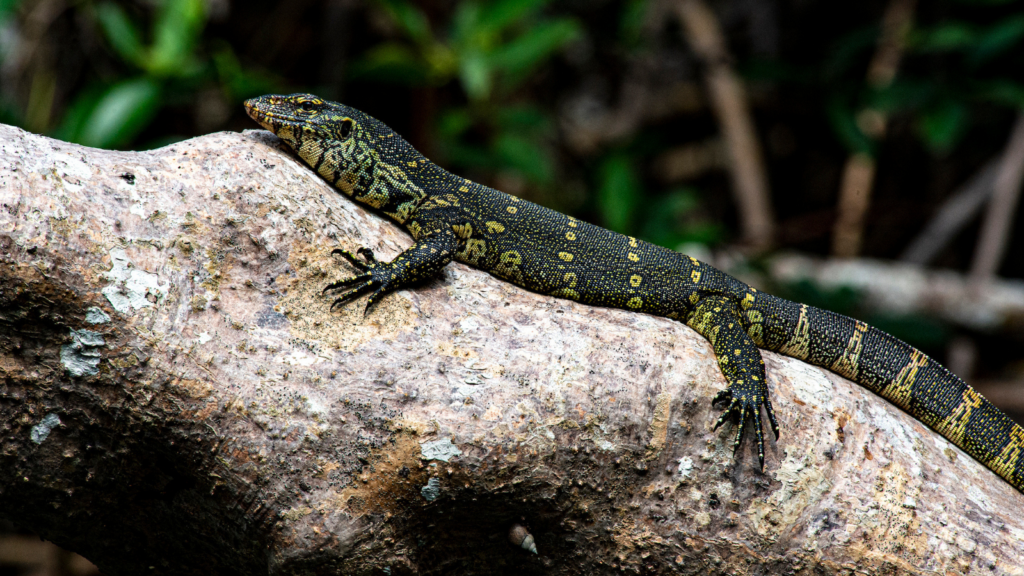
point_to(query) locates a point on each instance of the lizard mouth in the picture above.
(270, 111)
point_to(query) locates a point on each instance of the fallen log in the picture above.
(177, 397)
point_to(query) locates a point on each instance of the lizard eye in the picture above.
(346, 128)
(307, 106)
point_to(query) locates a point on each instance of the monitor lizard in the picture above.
(452, 218)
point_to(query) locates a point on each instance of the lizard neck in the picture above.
(387, 174)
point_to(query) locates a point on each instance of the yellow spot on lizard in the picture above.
(463, 231)
(565, 256)
(511, 210)
(570, 236)
(633, 257)
(635, 280)
(635, 302)
(495, 227)
(474, 250)
(747, 301)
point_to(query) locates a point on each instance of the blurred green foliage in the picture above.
(494, 73)
(164, 65)
(491, 49)
(940, 104)
(487, 46)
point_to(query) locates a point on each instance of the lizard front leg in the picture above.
(717, 319)
(433, 250)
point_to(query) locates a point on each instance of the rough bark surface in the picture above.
(177, 398)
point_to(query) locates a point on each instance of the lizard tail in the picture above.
(899, 373)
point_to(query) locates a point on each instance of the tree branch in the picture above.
(728, 99)
(176, 397)
(997, 225)
(859, 171)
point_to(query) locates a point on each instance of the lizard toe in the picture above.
(351, 258)
(346, 283)
(353, 294)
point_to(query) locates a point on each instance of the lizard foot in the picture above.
(375, 278)
(744, 401)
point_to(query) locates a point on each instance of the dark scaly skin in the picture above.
(451, 218)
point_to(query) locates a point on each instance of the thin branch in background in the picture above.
(859, 173)
(955, 213)
(995, 229)
(729, 102)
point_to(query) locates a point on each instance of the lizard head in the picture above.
(336, 140)
(355, 152)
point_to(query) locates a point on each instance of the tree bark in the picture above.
(177, 398)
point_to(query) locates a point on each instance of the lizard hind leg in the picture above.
(718, 320)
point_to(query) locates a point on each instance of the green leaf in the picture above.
(528, 157)
(944, 37)
(942, 126)
(618, 193)
(8, 7)
(496, 16)
(664, 219)
(998, 39)
(411, 19)
(454, 122)
(844, 124)
(524, 119)
(466, 155)
(8, 11)
(903, 94)
(523, 54)
(122, 34)
(239, 83)
(631, 23)
(175, 35)
(465, 28)
(78, 111)
(391, 62)
(120, 114)
(475, 74)
(1006, 92)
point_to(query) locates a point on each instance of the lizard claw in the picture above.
(367, 255)
(346, 282)
(741, 406)
(362, 266)
(353, 294)
(374, 280)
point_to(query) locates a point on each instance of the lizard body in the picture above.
(452, 218)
